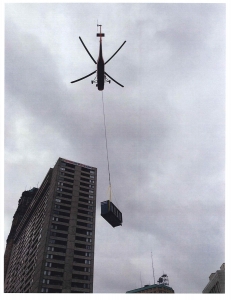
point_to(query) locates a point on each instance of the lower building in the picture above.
(216, 282)
(155, 288)
(50, 248)
(23, 204)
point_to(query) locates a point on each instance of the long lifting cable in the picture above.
(105, 134)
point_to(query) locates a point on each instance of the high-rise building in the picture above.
(23, 204)
(216, 282)
(50, 248)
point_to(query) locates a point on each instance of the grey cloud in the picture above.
(165, 129)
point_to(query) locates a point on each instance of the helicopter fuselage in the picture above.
(100, 68)
(101, 75)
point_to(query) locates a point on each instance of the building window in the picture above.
(47, 273)
(48, 264)
(86, 269)
(50, 248)
(87, 261)
(46, 281)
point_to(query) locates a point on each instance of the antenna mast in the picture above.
(153, 270)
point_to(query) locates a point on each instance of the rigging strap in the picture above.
(105, 133)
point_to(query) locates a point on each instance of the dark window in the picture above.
(52, 282)
(58, 206)
(64, 196)
(57, 219)
(80, 285)
(57, 242)
(85, 206)
(81, 269)
(61, 213)
(86, 195)
(86, 184)
(83, 239)
(66, 174)
(58, 257)
(84, 224)
(85, 174)
(85, 212)
(85, 218)
(83, 246)
(81, 253)
(69, 170)
(84, 179)
(50, 290)
(81, 277)
(54, 265)
(58, 234)
(79, 260)
(59, 227)
(62, 250)
(83, 231)
(68, 180)
(70, 165)
(63, 201)
(68, 185)
(82, 261)
(85, 170)
(86, 201)
(84, 190)
(56, 273)
(61, 189)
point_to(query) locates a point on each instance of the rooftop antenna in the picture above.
(153, 270)
(141, 280)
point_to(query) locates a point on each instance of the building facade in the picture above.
(23, 204)
(216, 282)
(155, 288)
(50, 248)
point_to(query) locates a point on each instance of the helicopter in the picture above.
(101, 76)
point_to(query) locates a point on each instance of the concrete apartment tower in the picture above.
(50, 248)
(216, 283)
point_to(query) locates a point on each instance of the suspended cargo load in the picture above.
(111, 213)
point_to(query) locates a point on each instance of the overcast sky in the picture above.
(165, 129)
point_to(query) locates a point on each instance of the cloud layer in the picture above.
(165, 129)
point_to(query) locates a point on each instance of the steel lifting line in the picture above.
(108, 165)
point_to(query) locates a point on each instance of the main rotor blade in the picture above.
(83, 77)
(115, 53)
(114, 80)
(87, 50)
